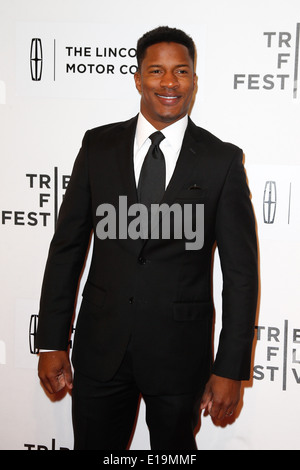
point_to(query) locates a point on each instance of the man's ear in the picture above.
(138, 81)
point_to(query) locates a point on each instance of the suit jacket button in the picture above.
(142, 260)
(131, 300)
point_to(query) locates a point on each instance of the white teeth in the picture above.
(168, 97)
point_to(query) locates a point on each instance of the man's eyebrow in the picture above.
(160, 65)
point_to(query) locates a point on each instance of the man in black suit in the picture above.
(145, 322)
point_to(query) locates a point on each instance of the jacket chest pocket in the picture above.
(193, 193)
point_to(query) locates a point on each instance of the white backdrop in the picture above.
(248, 93)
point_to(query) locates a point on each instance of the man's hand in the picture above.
(221, 397)
(54, 370)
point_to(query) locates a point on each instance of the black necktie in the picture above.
(152, 180)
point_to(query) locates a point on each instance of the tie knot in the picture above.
(156, 138)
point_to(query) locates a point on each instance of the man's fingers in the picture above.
(221, 397)
(207, 398)
(214, 410)
(53, 384)
(206, 401)
(219, 412)
(47, 385)
(55, 371)
(68, 377)
(60, 382)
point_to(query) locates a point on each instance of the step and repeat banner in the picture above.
(66, 67)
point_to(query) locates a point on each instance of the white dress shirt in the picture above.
(170, 146)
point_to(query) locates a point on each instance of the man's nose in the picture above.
(169, 80)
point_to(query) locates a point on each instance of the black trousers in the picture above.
(104, 414)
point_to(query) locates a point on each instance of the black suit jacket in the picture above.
(153, 292)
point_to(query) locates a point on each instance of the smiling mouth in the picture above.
(168, 97)
(168, 100)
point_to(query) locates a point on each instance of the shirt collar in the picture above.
(173, 133)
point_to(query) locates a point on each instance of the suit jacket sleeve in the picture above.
(237, 245)
(66, 259)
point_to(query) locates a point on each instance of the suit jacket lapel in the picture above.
(124, 149)
(124, 154)
(190, 157)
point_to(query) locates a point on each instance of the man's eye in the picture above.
(156, 71)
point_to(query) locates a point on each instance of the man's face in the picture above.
(166, 82)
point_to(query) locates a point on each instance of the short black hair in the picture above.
(163, 34)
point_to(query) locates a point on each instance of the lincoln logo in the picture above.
(270, 201)
(32, 333)
(36, 59)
